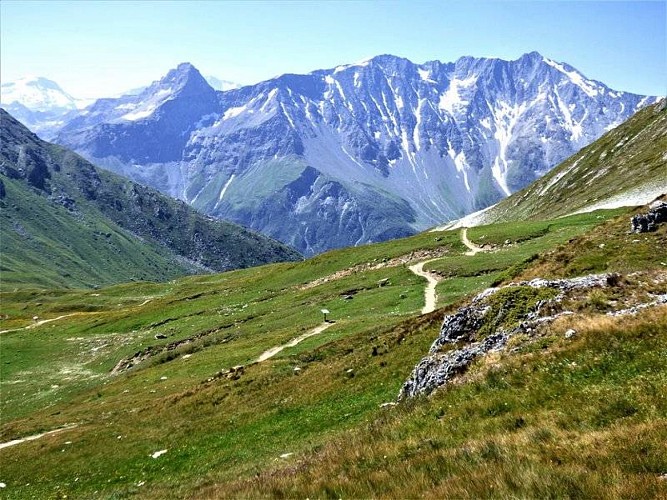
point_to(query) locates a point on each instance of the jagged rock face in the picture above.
(644, 223)
(354, 154)
(436, 370)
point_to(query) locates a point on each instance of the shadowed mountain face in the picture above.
(66, 222)
(354, 154)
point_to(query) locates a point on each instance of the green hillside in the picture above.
(154, 390)
(66, 223)
(627, 163)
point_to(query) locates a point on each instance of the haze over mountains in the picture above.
(358, 153)
(44, 107)
(40, 104)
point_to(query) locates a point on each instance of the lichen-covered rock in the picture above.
(520, 311)
(460, 326)
(437, 368)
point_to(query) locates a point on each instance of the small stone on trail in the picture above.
(570, 333)
(286, 455)
(163, 378)
(3, 485)
(390, 403)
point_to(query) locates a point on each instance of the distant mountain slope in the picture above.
(353, 154)
(627, 166)
(65, 222)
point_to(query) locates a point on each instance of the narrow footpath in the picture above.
(81, 313)
(35, 436)
(430, 296)
(43, 322)
(275, 350)
(474, 249)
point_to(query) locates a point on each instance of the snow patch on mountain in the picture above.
(225, 187)
(451, 100)
(635, 197)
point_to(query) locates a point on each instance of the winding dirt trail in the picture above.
(275, 350)
(474, 249)
(35, 436)
(430, 297)
(80, 313)
(44, 321)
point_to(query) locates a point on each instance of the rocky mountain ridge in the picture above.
(358, 153)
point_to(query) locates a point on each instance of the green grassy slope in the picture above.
(43, 245)
(630, 159)
(66, 223)
(516, 428)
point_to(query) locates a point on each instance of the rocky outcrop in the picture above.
(658, 301)
(644, 223)
(436, 369)
(514, 316)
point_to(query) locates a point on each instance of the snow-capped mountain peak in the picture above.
(36, 94)
(40, 104)
(182, 82)
(222, 85)
(590, 87)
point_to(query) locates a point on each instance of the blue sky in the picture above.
(99, 48)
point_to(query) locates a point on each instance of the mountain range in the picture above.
(354, 154)
(358, 153)
(65, 222)
(235, 385)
